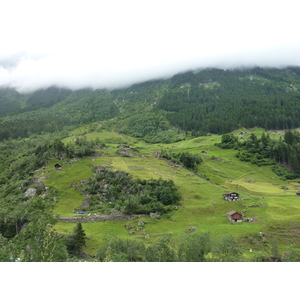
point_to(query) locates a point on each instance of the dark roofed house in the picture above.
(231, 196)
(57, 166)
(234, 217)
(298, 193)
(203, 152)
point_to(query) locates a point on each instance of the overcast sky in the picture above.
(110, 44)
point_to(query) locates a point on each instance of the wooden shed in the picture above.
(298, 193)
(57, 166)
(231, 196)
(234, 217)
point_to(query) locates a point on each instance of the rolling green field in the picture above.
(276, 214)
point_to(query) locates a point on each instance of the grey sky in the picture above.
(109, 44)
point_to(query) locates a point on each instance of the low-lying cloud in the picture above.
(119, 44)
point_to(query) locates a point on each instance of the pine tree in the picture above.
(79, 237)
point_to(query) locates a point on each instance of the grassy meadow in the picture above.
(275, 207)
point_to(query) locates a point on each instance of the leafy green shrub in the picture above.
(189, 160)
(119, 191)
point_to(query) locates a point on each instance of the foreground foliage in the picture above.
(188, 248)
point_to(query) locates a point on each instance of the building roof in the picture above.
(231, 213)
(228, 193)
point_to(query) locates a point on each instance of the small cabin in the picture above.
(231, 196)
(57, 166)
(203, 152)
(298, 193)
(234, 217)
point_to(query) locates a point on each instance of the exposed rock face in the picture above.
(30, 192)
(154, 215)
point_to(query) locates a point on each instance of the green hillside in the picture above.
(171, 148)
(275, 206)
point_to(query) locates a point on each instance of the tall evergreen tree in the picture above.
(79, 237)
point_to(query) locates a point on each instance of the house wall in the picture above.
(231, 198)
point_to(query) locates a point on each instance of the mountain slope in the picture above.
(130, 131)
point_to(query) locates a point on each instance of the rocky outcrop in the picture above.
(154, 215)
(30, 192)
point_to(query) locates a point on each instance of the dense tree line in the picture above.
(267, 151)
(189, 160)
(53, 110)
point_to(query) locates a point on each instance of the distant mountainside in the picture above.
(205, 101)
(220, 101)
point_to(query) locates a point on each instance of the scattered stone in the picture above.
(128, 226)
(30, 192)
(154, 215)
(131, 232)
(124, 152)
(192, 228)
(140, 222)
